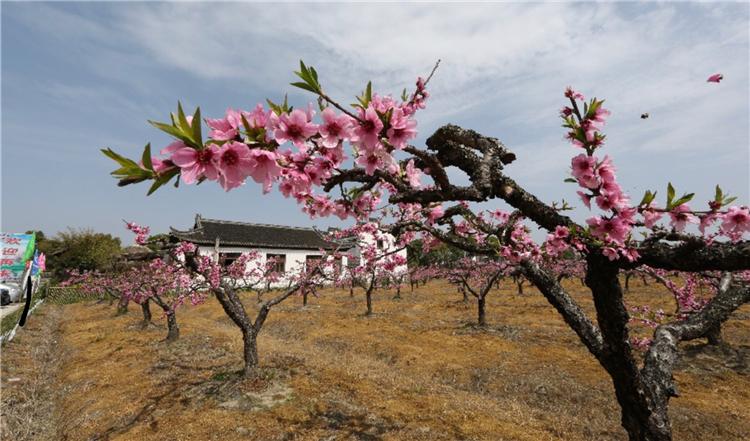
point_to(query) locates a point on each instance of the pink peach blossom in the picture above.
(334, 128)
(235, 163)
(195, 164)
(367, 133)
(680, 216)
(413, 174)
(736, 222)
(294, 127)
(225, 128)
(402, 129)
(265, 169)
(650, 217)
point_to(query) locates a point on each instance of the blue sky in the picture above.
(77, 77)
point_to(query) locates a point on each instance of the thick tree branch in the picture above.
(662, 355)
(566, 306)
(265, 308)
(695, 257)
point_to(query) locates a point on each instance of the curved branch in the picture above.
(695, 256)
(566, 306)
(662, 355)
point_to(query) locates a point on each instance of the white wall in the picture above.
(295, 258)
(389, 245)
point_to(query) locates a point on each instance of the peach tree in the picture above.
(355, 160)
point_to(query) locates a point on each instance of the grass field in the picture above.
(417, 370)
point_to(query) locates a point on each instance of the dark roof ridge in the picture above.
(286, 227)
(234, 233)
(192, 230)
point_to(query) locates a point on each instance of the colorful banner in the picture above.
(39, 263)
(16, 251)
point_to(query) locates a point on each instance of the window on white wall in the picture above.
(227, 259)
(279, 262)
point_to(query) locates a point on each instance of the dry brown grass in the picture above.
(29, 367)
(417, 370)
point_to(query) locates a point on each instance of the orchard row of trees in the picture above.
(356, 162)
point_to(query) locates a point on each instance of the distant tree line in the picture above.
(77, 249)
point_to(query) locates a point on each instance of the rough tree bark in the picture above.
(122, 305)
(146, 309)
(639, 417)
(714, 336)
(481, 316)
(173, 331)
(368, 297)
(233, 307)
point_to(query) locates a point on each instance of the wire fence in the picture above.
(63, 295)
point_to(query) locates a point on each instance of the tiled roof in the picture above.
(244, 234)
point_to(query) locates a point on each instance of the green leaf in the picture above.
(309, 77)
(303, 72)
(593, 107)
(275, 107)
(245, 123)
(683, 200)
(366, 97)
(728, 201)
(718, 195)
(128, 180)
(182, 120)
(571, 180)
(123, 161)
(648, 197)
(404, 95)
(304, 86)
(171, 130)
(196, 125)
(146, 157)
(163, 179)
(670, 195)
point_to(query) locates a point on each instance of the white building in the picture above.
(292, 247)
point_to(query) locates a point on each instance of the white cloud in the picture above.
(503, 70)
(503, 64)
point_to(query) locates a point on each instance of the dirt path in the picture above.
(417, 370)
(9, 309)
(30, 364)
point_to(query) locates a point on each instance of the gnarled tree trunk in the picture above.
(481, 316)
(122, 306)
(173, 331)
(233, 307)
(146, 309)
(368, 297)
(643, 413)
(249, 352)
